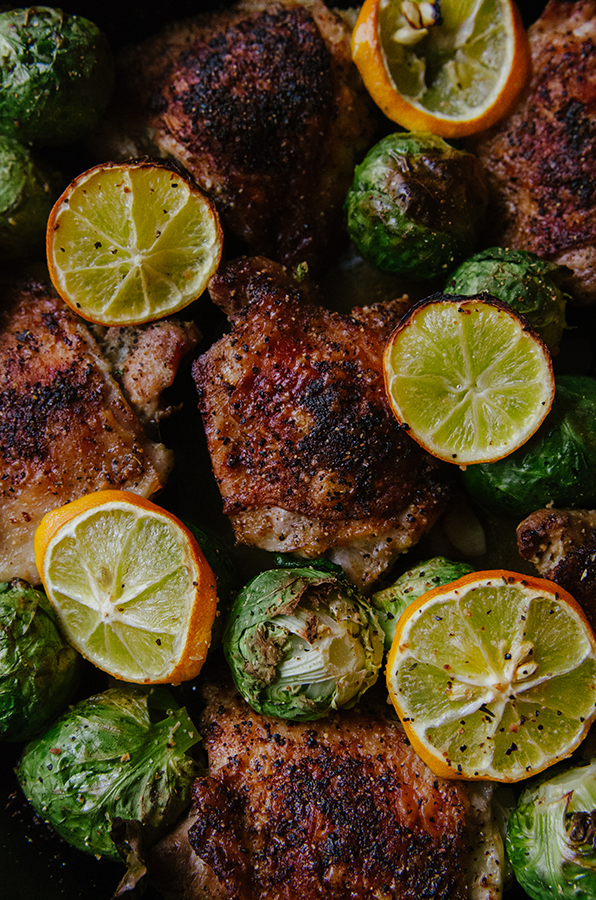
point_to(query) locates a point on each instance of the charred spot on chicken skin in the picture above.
(540, 160)
(307, 455)
(264, 107)
(337, 808)
(66, 426)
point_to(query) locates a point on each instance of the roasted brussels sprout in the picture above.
(28, 191)
(551, 836)
(301, 642)
(557, 466)
(56, 75)
(415, 205)
(38, 669)
(390, 603)
(523, 280)
(120, 754)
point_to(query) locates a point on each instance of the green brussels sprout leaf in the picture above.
(551, 835)
(39, 670)
(390, 603)
(301, 642)
(526, 282)
(127, 836)
(114, 755)
(556, 467)
(415, 205)
(287, 561)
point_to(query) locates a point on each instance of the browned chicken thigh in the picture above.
(561, 544)
(263, 105)
(66, 428)
(541, 160)
(336, 809)
(145, 359)
(306, 452)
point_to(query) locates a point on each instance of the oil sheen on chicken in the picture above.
(66, 428)
(337, 809)
(541, 159)
(264, 107)
(306, 453)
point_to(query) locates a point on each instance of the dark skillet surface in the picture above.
(34, 862)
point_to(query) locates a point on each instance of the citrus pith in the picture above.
(130, 585)
(453, 69)
(132, 242)
(494, 676)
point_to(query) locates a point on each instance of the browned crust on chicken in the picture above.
(304, 448)
(561, 544)
(541, 160)
(383, 317)
(264, 106)
(338, 808)
(65, 428)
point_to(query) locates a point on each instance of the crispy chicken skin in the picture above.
(65, 427)
(383, 317)
(264, 106)
(541, 160)
(306, 453)
(341, 808)
(561, 544)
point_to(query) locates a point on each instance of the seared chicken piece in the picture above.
(145, 360)
(561, 544)
(541, 160)
(306, 453)
(382, 317)
(340, 808)
(264, 106)
(65, 427)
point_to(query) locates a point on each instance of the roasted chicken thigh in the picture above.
(145, 360)
(66, 428)
(264, 106)
(541, 160)
(337, 809)
(561, 544)
(307, 455)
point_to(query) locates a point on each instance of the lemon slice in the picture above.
(132, 242)
(453, 68)
(493, 676)
(133, 592)
(468, 378)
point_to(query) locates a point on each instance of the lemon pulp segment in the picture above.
(457, 67)
(131, 244)
(468, 380)
(495, 680)
(121, 581)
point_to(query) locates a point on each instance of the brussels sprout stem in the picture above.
(327, 655)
